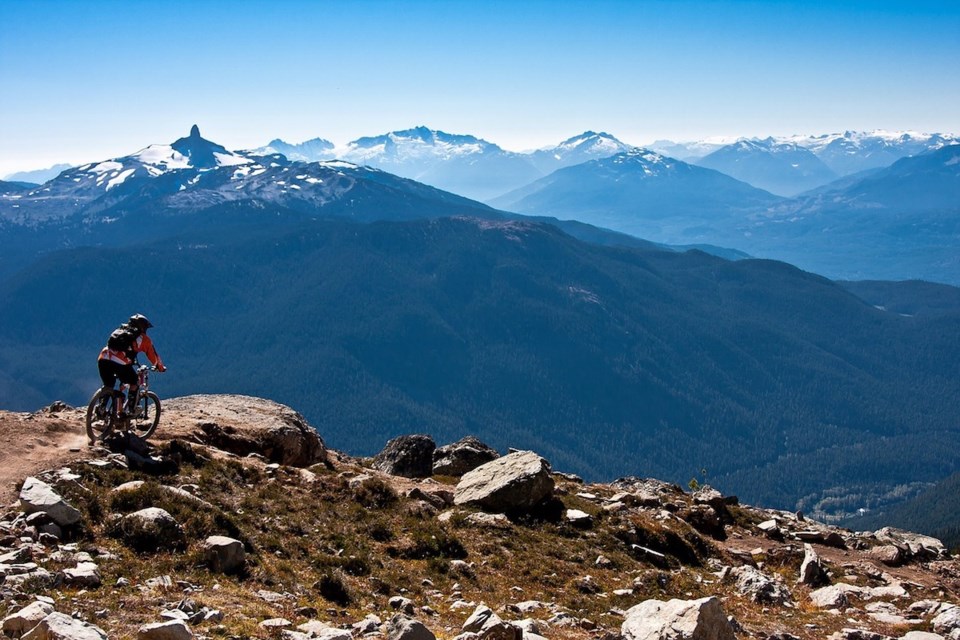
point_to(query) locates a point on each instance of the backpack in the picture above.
(122, 338)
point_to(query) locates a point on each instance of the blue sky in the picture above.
(90, 80)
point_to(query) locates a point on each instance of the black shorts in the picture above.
(111, 371)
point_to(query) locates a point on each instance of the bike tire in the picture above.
(99, 426)
(144, 422)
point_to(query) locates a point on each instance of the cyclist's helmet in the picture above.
(139, 321)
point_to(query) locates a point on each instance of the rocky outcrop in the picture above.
(38, 496)
(18, 623)
(408, 456)
(243, 425)
(224, 555)
(401, 627)
(812, 571)
(702, 619)
(520, 480)
(168, 630)
(462, 456)
(60, 626)
(152, 529)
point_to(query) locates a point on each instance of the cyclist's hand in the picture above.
(161, 368)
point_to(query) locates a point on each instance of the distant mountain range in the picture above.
(462, 164)
(154, 193)
(38, 176)
(643, 193)
(782, 168)
(895, 222)
(900, 222)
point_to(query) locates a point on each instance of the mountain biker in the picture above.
(117, 357)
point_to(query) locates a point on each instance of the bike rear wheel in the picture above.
(100, 415)
(146, 417)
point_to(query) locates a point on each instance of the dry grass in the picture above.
(345, 551)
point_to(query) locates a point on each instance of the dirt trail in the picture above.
(33, 442)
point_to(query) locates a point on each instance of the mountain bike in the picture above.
(105, 413)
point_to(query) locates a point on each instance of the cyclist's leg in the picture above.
(128, 376)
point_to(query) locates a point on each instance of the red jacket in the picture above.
(143, 344)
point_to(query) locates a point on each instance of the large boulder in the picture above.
(913, 545)
(948, 622)
(401, 627)
(244, 425)
(60, 626)
(462, 456)
(38, 496)
(702, 619)
(168, 630)
(517, 481)
(407, 456)
(760, 587)
(16, 624)
(812, 571)
(224, 555)
(152, 529)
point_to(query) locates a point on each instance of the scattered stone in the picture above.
(404, 605)
(168, 630)
(520, 480)
(16, 624)
(85, 574)
(60, 626)
(36, 495)
(812, 571)
(370, 624)
(317, 629)
(771, 529)
(152, 529)
(401, 627)
(888, 554)
(947, 622)
(273, 624)
(836, 596)
(462, 456)
(603, 562)
(760, 587)
(481, 617)
(408, 456)
(579, 519)
(160, 582)
(224, 555)
(488, 520)
(702, 619)
(922, 635)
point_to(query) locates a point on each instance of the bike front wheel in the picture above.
(146, 417)
(100, 415)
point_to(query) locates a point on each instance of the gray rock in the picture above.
(152, 529)
(168, 630)
(922, 635)
(812, 571)
(947, 622)
(462, 456)
(481, 617)
(408, 456)
(579, 519)
(916, 545)
(59, 626)
(36, 495)
(370, 624)
(224, 555)
(836, 596)
(16, 624)
(488, 520)
(760, 587)
(274, 623)
(404, 605)
(702, 619)
(85, 574)
(243, 425)
(520, 480)
(401, 627)
(317, 629)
